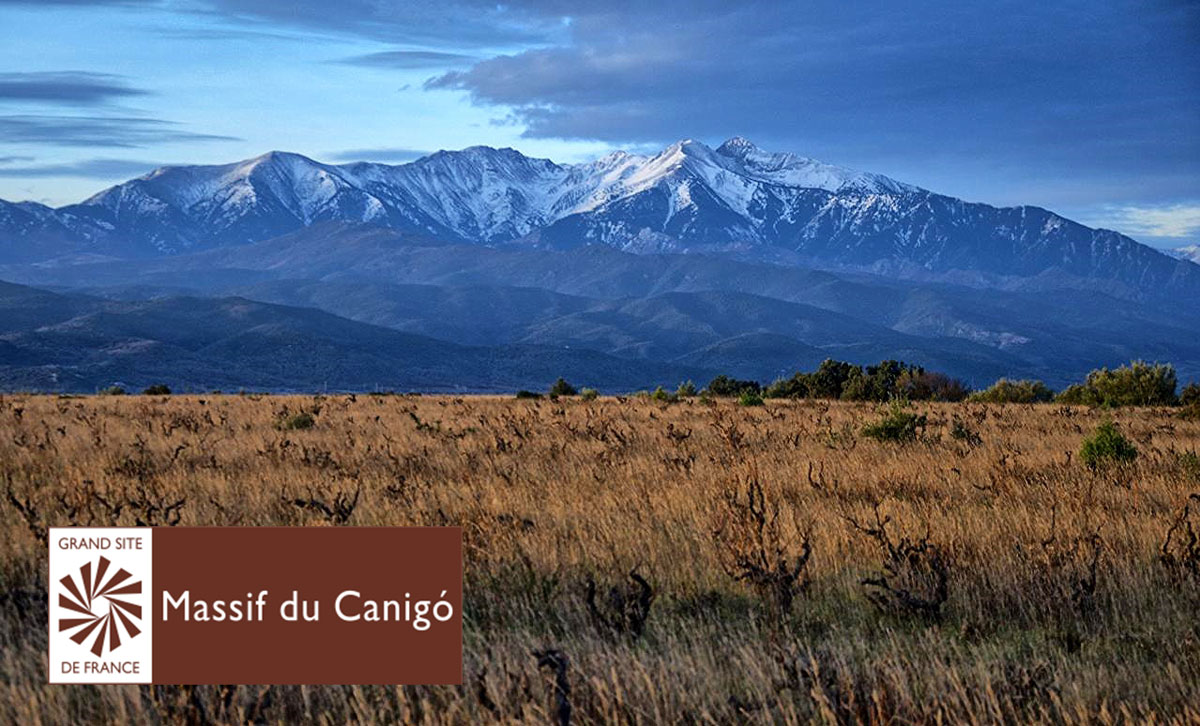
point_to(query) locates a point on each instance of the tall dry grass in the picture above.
(1007, 582)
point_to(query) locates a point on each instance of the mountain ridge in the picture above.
(735, 199)
(620, 301)
(76, 343)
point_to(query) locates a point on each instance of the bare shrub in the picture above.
(1067, 570)
(1180, 550)
(625, 610)
(557, 663)
(30, 512)
(960, 431)
(337, 508)
(915, 576)
(753, 547)
(151, 506)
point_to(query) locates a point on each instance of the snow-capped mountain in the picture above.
(479, 194)
(736, 198)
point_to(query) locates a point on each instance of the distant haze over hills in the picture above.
(695, 259)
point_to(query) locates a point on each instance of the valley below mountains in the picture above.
(485, 270)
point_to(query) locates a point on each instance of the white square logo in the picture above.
(100, 605)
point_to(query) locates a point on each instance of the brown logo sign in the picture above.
(278, 605)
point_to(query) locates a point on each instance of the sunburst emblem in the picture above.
(97, 598)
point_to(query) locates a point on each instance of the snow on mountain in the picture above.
(1191, 253)
(479, 194)
(796, 171)
(736, 198)
(176, 208)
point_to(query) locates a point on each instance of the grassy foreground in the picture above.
(669, 563)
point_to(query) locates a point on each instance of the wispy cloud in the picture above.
(390, 154)
(43, 3)
(465, 23)
(98, 131)
(409, 59)
(84, 169)
(1179, 221)
(227, 33)
(65, 87)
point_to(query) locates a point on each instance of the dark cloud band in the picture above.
(65, 87)
(943, 94)
(85, 169)
(97, 131)
(388, 155)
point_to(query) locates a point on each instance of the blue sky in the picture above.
(1090, 109)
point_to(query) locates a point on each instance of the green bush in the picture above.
(662, 394)
(889, 379)
(875, 383)
(750, 398)
(1107, 445)
(1006, 391)
(562, 388)
(794, 387)
(1190, 395)
(855, 387)
(295, 421)
(112, 391)
(725, 386)
(528, 394)
(1078, 394)
(1137, 384)
(157, 390)
(930, 386)
(830, 378)
(687, 389)
(588, 394)
(1189, 398)
(896, 425)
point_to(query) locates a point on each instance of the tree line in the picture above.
(1137, 384)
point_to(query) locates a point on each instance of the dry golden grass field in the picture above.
(694, 562)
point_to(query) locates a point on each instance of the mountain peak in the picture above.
(684, 147)
(484, 159)
(737, 146)
(275, 158)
